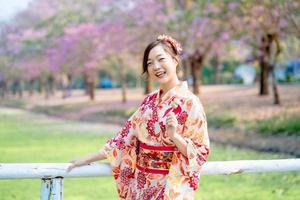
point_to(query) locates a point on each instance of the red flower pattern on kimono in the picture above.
(148, 126)
(182, 117)
(141, 179)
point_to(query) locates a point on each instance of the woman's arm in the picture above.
(100, 155)
(180, 143)
(177, 139)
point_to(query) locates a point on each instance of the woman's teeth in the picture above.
(160, 75)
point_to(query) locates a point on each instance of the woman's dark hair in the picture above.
(169, 48)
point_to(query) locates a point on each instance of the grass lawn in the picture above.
(31, 138)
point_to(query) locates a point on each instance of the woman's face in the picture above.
(161, 65)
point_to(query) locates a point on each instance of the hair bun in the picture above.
(172, 41)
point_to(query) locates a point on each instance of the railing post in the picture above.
(45, 189)
(57, 188)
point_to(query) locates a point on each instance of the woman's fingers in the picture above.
(171, 119)
(170, 116)
(70, 168)
(171, 122)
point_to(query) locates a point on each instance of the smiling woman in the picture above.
(160, 151)
(161, 60)
(162, 66)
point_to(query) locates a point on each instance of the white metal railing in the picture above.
(52, 174)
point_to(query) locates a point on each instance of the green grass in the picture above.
(13, 103)
(284, 125)
(121, 113)
(279, 125)
(30, 138)
(58, 109)
(111, 116)
(225, 119)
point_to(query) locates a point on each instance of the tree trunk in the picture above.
(91, 86)
(86, 89)
(47, 89)
(91, 83)
(274, 37)
(275, 89)
(196, 61)
(51, 82)
(264, 84)
(20, 90)
(49, 85)
(31, 87)
(264, 61)
(217, 67)
(185, 69)
(3, 88)
(196, 82)
(67, 85)
(17, 88)
(41, 85)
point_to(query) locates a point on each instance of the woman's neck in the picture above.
(167, 86)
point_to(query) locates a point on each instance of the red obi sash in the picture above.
(154, 159)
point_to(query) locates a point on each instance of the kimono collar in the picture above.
(178, 90)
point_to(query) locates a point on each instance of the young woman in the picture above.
(159, 152)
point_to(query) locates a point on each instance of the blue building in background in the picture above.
(292, 70)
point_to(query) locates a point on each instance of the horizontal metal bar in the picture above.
(52, 170)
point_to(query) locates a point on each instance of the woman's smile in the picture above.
(160, 74)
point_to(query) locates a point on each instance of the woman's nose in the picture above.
(156, 66)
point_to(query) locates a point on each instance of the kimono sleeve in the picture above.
(184, 173)
(125, 139)
(120, 151)
(121, 154)
(196, 135)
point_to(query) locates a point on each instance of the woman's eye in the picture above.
(161, 59)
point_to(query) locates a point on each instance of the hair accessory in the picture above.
(172, 41)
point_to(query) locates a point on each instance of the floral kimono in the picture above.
(145, 162)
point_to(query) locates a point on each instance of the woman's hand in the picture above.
(72, 166)
(171, 125)
(176, 138)
(75, 163)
